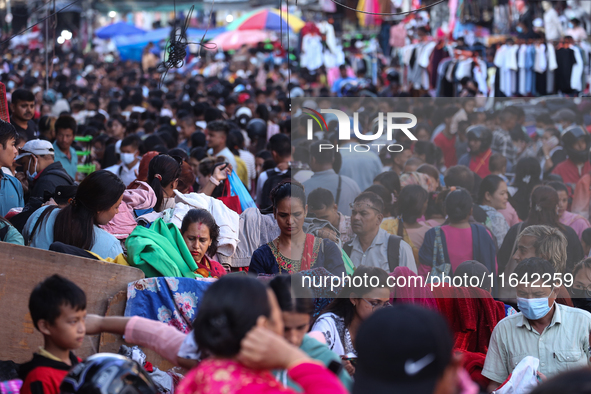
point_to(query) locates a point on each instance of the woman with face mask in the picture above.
(163, 176)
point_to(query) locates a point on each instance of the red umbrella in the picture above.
(235, 39)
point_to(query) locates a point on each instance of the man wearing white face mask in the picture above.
(556, 334)
(128, 169)
(44, 174)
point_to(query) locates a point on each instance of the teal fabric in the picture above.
(160, 251)
(11, 194)
(12, 236)
(70, 165)
(316, 351)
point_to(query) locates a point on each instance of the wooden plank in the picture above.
(110, 343)
(22, 268)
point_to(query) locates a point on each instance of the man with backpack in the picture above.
(43, 172)
(280, 146)
(343, 188)
(372, 245)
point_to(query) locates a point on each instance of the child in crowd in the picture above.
(497, 165)
(58, 309)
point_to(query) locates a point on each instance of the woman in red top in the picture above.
(201, 233)
(239, 326)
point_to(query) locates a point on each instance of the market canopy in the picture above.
(267, 19)
(131, 47)
(235, 39)
(118, 29)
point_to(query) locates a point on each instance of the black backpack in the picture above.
(273, 179)
(393, 251)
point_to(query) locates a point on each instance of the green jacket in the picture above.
(160, 251)
(317, 351)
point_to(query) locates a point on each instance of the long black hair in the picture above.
(202, 216)
(489, 184)
(162, 171)
(74, 224)
(229, 309)
(458, 205)
(287, 188)
(288, 300)
(411, 202)
(543, 208)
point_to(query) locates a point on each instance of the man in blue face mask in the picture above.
(555, 334)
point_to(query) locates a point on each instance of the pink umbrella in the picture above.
(236, 38)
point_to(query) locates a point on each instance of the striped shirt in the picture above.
(562, 346)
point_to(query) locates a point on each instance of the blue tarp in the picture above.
(131, 47)
(118, 29)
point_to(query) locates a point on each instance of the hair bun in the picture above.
(220, 322)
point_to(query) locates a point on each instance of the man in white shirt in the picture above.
(216, 135)
(128, 169)
(371, 245)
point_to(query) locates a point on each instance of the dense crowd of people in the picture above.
(211, 176)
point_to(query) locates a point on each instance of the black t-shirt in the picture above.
(565, 59)
(31, 132)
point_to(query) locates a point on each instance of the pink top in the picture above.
(577, 222)
(157, 336)
(410, 291)
(417, 235)
(213, 376)
(510, 215)
(435, 222)
(459, 245)
(123, 223)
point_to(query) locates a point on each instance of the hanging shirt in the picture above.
(506, 62)
(565, 58)
(540, 61)
(311, 56)
(521, 55)
(576, 81)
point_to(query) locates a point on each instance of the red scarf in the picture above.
(479, 163)
(311, 248)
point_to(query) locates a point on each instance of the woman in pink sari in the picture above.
(239, 327)
(577, 222)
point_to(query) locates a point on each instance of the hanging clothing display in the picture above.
(311, 49)
(506, 63)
